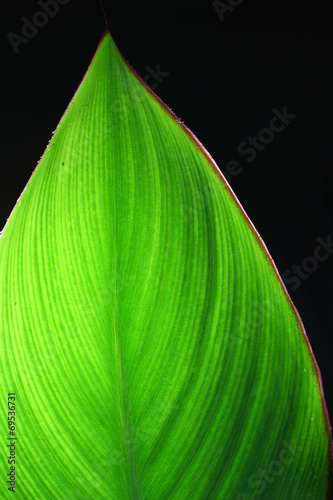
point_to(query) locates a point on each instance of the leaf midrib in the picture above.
(131, 485)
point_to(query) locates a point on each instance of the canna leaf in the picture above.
(152, 348)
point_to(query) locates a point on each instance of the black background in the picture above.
(225, 77)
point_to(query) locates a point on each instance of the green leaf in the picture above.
(152, 348)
